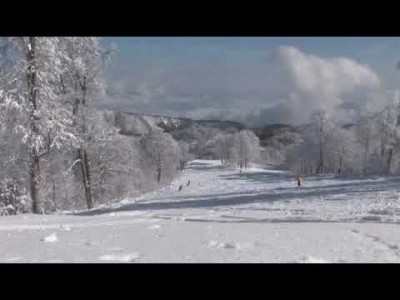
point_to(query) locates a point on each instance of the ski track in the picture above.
(259, 215)
(389, 250)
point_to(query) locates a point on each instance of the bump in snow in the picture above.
(120, 257)
(52, 238)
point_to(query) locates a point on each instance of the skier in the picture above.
(299, 180)
(180, 188)
(188, 183)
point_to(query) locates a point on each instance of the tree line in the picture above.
(369, 145)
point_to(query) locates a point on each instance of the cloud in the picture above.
(313, 75)
(287, 88)
(319, 83)
(193, 92)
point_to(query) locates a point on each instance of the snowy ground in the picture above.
(223, 216)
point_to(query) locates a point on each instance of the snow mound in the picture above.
(154, 227)
(50, 238)
(313, 260)
(120, 257)
(224, 245)
(65, 227)
(12, 259)
(55, 261)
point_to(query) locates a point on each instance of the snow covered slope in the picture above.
(223, 215)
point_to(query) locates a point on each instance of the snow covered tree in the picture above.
(372, 140)
(31, 86)
(248, 148)
(342, 148)
(322, 128)
(162, 152)
(13, 197)
(184, 155)
(218, 147)
(388, 129)
(313, 152)
(82, 83)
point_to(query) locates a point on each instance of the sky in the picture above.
(251, 79)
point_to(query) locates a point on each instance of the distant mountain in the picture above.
(138, 124)
(221, 124)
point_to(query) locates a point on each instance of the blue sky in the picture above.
(224, 62)
(147, 52)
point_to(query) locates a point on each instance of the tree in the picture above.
(82, 83)
(184, 155)
(389, 125)
(322, 128)
(248, 148)
(162, 152)
(219, 147)
(365, 133)
(31, 86)
(343, 150)
(312, 152)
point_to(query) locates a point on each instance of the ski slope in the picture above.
(259, 215)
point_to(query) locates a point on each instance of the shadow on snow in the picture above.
(346, 186)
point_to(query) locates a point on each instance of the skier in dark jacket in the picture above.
(299, 180)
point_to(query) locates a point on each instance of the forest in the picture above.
(61, 153)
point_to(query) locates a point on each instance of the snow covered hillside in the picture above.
(223, 215)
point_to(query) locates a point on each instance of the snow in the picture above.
(314, 260)
(120, 257)
(259, 215)
(155, 227)
(224, 245)
(51, 238)
(65, 227)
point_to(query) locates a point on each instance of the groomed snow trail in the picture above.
(223, 215)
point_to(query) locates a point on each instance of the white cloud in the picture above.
(326, 77)
(297, 82)
(320, 83)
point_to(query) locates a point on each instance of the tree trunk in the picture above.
(158, 165)
(82, 153)
(34, 166)
(158, 175)
(84, 162)
(366, 150)
(321, 154)
(340, 164)
(34, 182)
(53, 185)
(389, 161)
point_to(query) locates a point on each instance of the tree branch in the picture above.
(44, 153)
(73, 164)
